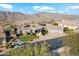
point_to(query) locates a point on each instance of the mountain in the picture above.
(6, 17)
(16, 17)
(55, 16)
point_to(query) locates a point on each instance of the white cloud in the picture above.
(22, 10)
(6, 6)
(73, 7)
(60, 11)
(43, 8)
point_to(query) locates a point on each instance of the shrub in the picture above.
(21, 33)
(34, 34)
(41, 49)
(73, 42)
(67, 30)
(44, 31)
(11, 25)
(28, 33)
(56, 24)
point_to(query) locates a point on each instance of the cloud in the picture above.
(22, 10)
(73, 7)
(6, 6)
(43, 8)
(60, 11)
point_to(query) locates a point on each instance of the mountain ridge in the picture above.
(17, 17)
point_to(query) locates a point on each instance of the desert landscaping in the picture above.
(33, 31)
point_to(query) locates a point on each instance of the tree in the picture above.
(44, 31)
(15, 30)
(7, 32)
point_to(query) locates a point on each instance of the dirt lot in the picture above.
(51, 35)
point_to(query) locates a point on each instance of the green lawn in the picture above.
(28, 38)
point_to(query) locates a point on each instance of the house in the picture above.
(27, 29)
(55, 29)
(24, 30)
(68, 23)
(52, 29)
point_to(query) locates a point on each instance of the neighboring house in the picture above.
(57, 29)
(33, 28)
(78, 25)
(24, 30)
(68, 23)
(52, 29)
(71, 26)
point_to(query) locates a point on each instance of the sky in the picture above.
(30, 8)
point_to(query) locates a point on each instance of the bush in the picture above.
(28, 33)
(11, 25)
(67, 30)
(31, 50)
(56, 24)
(34, 34)
(44, 31)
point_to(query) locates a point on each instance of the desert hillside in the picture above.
(16, 17)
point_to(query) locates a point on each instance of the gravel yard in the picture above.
(51, 35)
